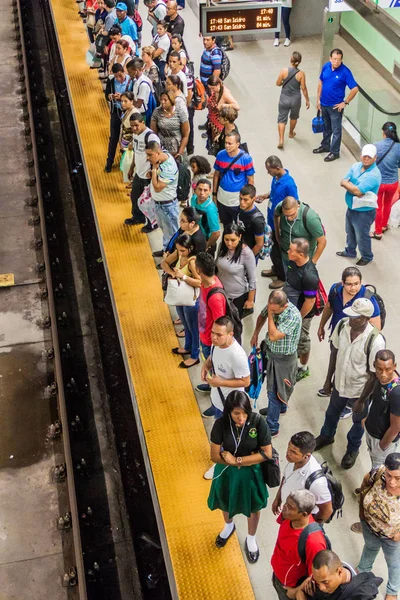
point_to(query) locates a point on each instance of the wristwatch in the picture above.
(239, 459)
(348, 103)
(184, 277)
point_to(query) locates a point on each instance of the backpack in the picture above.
(368, 294)
(304, 218)
(171, 244)
(137, 19)
(309, 530)
(151, 104)
(225, 65)
(183, 188)
(321, 299)
(199, 99)
(257, 366)
(231, 312)
(368, 342)
(335, 488)
(267, 247)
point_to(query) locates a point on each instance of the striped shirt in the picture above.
(289, 323)
(168, 173)
(236, 177)
(210, 61)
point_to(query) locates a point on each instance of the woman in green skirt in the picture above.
(238, 486)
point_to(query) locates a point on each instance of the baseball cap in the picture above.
(362, 307)
(368, 149)
(123, 6)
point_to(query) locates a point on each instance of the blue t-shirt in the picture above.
(390, 165)
(335, 298)
(366, 181)
(121, 88)
(209, 222)
(234, 179)
(280, 189)
(334, 82)
(128, 27)
(210, 61)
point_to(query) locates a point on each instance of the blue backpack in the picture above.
(257, 366)
(267, 246)
(151, 104)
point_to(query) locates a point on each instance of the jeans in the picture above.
(358, 224)
(115, 129)
(332, 129)
(286, 22)
(385, 197)
(227, 214)
(189, 317)
(332, 415)
(275, 408)
(391, 552)
(138, 186)
(205, 350)
(167, 219)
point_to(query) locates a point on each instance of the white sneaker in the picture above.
(287, 42)
(210, 473)
(276, 42)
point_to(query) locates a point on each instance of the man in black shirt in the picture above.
(382, 427)
(333, 580)
(301, 288)
(252, 219)
(175, 22)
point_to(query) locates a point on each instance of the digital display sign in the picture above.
(240, 17)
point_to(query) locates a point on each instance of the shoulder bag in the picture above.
(224, 171)
(180, 293)
(270, 467)
(290, 78)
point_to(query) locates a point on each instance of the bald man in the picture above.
(333, 580)
(175, 22)
(294, 219)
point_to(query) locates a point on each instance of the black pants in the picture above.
(115, 129)
(276, 258)
(190, 144)
(285, 21)
(227, 214)
(138, 186)
(239, 303)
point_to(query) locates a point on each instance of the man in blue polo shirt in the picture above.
(127, 24)
(233, 168)
(282, 185)
(361, 184)
(334, 79)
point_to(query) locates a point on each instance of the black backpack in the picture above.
(225, 65)
(335, 488)
(183, 188)
(231, 312)
(309, 530)
(369, 293)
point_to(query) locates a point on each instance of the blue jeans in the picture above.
(275, 408)
(206, 350)
(332, 129)
(391, 552)
(285, 21)
(358, 224)
(332, 416)
(189, 317)
(167, 219)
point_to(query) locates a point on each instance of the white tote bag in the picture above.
(367, 200)
(180, 293)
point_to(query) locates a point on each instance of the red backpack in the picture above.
(138, 19)
(321, 299)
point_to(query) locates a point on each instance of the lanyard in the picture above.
(237, 443)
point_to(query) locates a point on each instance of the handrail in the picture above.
(375, 105)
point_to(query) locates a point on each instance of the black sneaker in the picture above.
(158, 253)
(331, 157)
(320, 150)
(362, 262)
(349, 459)
(148, 228)
(322, 441)
(107, 169)
(132, 221)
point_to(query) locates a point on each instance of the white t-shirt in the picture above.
(139, 146)
(351, 364)
(141, 91)
(160, 12)
(164, 43)
(296, 480)
(168, 173)
(132, 46)
(229, 363)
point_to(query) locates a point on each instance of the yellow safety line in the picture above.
(175, 437)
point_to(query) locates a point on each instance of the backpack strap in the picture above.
(341, 325)
(313, 477)
(369, 342)
(301, 545)
(304, 216)
(386, 153)
(216, 290)
(333, 294)
(290, 78)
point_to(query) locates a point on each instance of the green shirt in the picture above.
(289, 323)
(295, 229)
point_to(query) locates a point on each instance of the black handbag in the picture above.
(270, 469)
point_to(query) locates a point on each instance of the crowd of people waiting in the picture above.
(211, 247)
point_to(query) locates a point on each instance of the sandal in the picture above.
(180, 334)
(176, 351)
(384, 229)
(375, 236)
(177, 321)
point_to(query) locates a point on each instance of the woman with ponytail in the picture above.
(388, 162)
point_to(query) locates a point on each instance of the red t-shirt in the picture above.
(285, 560)
(208, 312)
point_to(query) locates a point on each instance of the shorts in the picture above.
(305, 341)
(289, 105)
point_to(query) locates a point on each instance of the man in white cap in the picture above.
(361, 184)
(355, 343)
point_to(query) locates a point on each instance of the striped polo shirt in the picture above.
(209, 62)
(236, 177)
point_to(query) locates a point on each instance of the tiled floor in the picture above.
(254, 69)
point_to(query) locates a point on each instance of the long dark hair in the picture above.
(390, 130)
(236, 230)
(236, 399)
(203, 166)
(185, 240)
(213, 81)
(177, 36)
(177, 81)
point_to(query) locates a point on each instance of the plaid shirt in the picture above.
(289, 323)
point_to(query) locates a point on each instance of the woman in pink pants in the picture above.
(388, 162)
